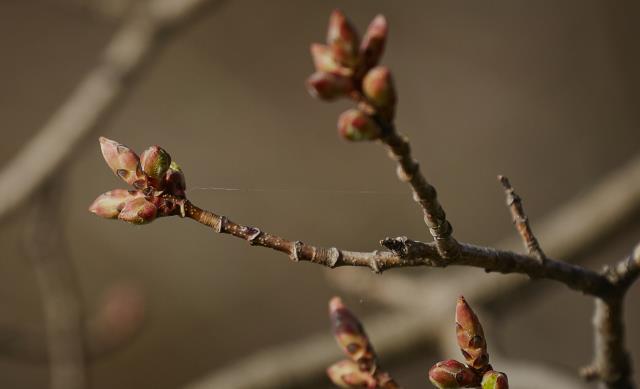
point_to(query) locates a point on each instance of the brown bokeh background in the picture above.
(545, 92)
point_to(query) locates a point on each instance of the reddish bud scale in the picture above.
(138, 211)
(109, 204)
(471, 336)
(328, 86)
(373, 43)
(453, 374)
(342, 40)
(350, 335)
(122, 161)
(174, 181)
(378, 87)
(347, 374)
(355, 125)
(494, 380)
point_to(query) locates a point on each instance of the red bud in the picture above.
(356, 125)
(342, 39)
(452, 374)
(378, 87)
(347, 374)
(328, 86)
(373, 42)
(350, 335)
(471, 336)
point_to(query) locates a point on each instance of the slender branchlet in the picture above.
(345, 68)
(521, 221)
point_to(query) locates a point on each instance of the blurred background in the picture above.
(545, 92)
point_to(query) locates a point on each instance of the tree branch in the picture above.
(404, 252)
(521, 221)
(59, 291)
(423, 192)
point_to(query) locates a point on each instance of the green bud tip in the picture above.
(494, 380)
(155, 162)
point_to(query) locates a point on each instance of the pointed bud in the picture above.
(470, 336)
(155, 162)
(378, 87)
(324, 62)
(138, 211)
(346, 374)
(494, 380)
(174, 180)
(356, 125)
(109, 205)
(350, 335)
(342, 39)
(122, 160)
(373, 42)
(328, 86)
(453, 374)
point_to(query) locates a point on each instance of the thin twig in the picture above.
(404, 252)
(423, 192)
(95, 98)
(59, 291)
(521, 221)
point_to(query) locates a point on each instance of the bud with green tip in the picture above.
(356, 125)
(122, 161)
(174, 181)
(155, 162)
(109, 204)
(452, 374)
(494, 380)
(342, 39)
(328, 86)
(373, 42)
(379, 90)
(471, 336)
(347, 374)
(138, 211)
(350, 335)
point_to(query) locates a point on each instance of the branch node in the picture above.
(219, 226)
(252, 234)
(295, 254)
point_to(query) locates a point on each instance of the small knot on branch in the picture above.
(295, 254)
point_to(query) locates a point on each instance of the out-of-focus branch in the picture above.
(521, 221)
(59, 291)
(141, 35)
(118, 321)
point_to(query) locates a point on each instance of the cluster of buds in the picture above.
(358, 371)
(158, 182)
(476, 371)
(346, 67)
